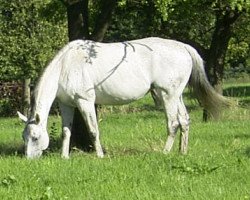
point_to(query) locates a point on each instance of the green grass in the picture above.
(216, 167)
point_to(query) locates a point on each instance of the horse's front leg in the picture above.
(87, 109)
(67, 120)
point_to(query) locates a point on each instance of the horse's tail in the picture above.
(205, 93)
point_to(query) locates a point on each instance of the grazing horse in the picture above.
(85, 73)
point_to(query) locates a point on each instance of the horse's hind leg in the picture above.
(171, 111)
(87, 109)
(67, 119)
(183, 118)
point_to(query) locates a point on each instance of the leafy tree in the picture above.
(238, 54)
(29, 37)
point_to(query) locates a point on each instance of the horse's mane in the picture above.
(43, 78)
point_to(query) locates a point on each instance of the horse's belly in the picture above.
(118, 95)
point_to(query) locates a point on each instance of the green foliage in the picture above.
(10, 98)
(239, 5)
(162, 7)
(28, 37)
(238, 54)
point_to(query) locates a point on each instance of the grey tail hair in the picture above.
(212, 101)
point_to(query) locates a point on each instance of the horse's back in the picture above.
(121, 72)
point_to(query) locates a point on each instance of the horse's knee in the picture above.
(173, 126)
(66, 133)
(183, 118)
(185, 127)
(184, 124)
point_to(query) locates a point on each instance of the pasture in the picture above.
(217, 165)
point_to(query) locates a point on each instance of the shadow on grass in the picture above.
(126, 151)
(55, 145)
(153, 108)
(247, 152)
(239, 91)
(242, 136)
(11, 150)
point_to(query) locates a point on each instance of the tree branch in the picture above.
(103, 20)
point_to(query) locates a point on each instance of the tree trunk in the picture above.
(26, 97)
(217, 52)
(77, 13)
(78, 28)
(103, 20)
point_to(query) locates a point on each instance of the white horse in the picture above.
(85, 73)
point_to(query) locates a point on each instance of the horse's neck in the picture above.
(46, 90)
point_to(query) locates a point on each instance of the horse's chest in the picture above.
(65, 97)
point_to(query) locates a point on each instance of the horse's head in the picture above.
(35, 136)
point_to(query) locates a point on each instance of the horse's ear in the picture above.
(37, 118)
(22, 117)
